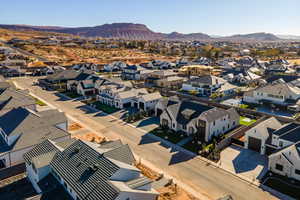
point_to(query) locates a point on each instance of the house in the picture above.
(160, 65)
(128, 98)
(164, 78)
(107, 91)
(282, 94)
(193, 118)
(22, 129)
(195, 70)
(286, 162)
(115, 66)
(11, 98)
(280, 143)
(12, 71)
(87, 170)
(59, 79)
(83, 84)
(207, 85)
(135, 72)
(258, 137)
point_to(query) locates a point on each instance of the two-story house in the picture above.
(196, 119)
(283, 94)
(207, 85)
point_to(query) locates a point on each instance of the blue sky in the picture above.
(218, 17)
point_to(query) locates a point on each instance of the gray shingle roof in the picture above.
(86, 171)
(34, 128)
(12, 98)
(122, 153)
(179, 110)
(42, 148)
(23, 120)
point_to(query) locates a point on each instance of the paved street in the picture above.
(204, 180)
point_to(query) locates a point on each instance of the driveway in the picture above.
(244, 162)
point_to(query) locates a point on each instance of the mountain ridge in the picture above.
(134, 31)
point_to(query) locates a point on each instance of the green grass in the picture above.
(72, 95)
(105, 108)
(244, 106)
(39, 102)
(283, 188)
(167, 135)
(246, 123)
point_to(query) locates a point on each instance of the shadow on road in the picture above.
(61, 98)
(180, 157)
(148, 121)
(87, 110)
(146, 139)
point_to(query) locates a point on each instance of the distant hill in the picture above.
(253, 36)
(115, 30)
(289, 37)
(139, 32)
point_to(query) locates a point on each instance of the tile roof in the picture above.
(86, 171)
(43, 148)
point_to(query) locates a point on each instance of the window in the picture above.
(214, 123)
(2, 163)
(279, 167)
(297, 171)
(280, 143)
(184, 127)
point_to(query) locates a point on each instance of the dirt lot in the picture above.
(173, 192)
(74, 127)
(90, 137)
(71, 55)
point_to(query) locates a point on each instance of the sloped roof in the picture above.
(280, 89)
(12, 98)
(151, 96)
(86, 171)
(267, 127)
(178, 110)
(33, 127)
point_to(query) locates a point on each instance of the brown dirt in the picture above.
(74, 127)
(173, 192)
(146, 171)
(90, 137)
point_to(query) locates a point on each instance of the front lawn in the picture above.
(167, 134)
(283, 187)
(39, 102)
(72, 95)
(246, 121)
(244, 106)
(105, 108)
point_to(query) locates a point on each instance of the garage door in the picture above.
(254, 144)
